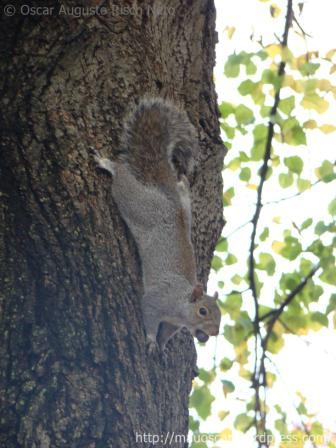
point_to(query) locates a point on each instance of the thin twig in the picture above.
(304, 34)
(299, 193)
(304, 426)
(270, 324)
(237, 229)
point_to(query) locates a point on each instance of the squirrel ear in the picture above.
(197, 293)
(216, 295)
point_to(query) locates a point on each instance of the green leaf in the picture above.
(301, 409)
(234, 164)
(226, 109)
(222, 245)
(231, 70)
(329, 276)
(294, 164)
(228, 387)
(236, 279)
(201, 400)
(246, 87)
(289, 281)
(332, 304)
(281, 427)
(263, 310)
(305, 266)
(269, 76)
(232, 65)
(303, 185)
(251, 68)
(308, 222)
(326, 171)
(275, 343)
(258, 95)
(293, 133)
(198, 445)
(243, 156)
(320, 228)
(225, 364)
(266, 263)
(264, 235)
(287, 105)
(228, 195)
(193, 424)
(207, 376)
(257, 152)
(234, 334)
(308, 68)
(315, 102)
(229, 130)
(317, 429)
(296, 322)
(243, 422)
(292, 248)
(270, 379)
(298, 136)
(244, 115)
(332, 207)
(312, 291)
(232, 305)
(245, 174)
(320, 318)
(216, 263)
(259, 134)
(265, 111)
(231, 259)
(286, 180)
(262, 54)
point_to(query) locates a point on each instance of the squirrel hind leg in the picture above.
(182, 160)
(183, 188)
(166, 332)
(151, 322)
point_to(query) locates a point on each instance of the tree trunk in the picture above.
(74, 367)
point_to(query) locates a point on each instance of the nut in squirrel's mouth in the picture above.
(201, 336)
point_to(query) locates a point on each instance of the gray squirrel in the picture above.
(151, 190)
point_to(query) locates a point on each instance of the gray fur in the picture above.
(154, 200)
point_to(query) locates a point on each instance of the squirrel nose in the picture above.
(214, 331)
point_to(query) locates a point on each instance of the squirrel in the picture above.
(151, 189)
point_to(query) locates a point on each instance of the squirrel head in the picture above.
(206, 316)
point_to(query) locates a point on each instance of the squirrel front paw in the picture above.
(152, 345)
(104, 164)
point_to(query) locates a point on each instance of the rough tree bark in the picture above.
(74, 369)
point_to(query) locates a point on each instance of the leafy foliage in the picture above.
(286, 272)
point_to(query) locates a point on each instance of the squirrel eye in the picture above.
(203, 311)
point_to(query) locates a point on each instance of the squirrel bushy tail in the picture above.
(158, 142)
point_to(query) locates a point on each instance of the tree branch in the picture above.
(255, 220)
(277, 312)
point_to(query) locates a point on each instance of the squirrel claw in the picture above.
(165, 356)
(152, 348)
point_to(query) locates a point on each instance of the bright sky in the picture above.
(305, 364)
